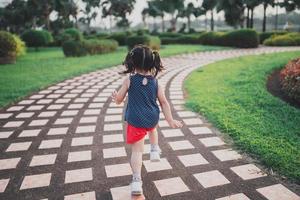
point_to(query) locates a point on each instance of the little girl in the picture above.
(142, 111)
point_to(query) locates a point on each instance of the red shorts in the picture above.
(134, 134)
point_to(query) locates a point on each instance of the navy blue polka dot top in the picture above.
(142, 110)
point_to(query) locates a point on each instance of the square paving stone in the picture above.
(13, 124)
(9, 163)
(81, 100)
(48, 144)
(178, 107)
(25, 115)
(118, 170)
(63, 121)
(79, 175)
(79, 156)
(171, 186)
(39, 160)
(37, 96)
(157, 166)
(239, 196)
(192, 121)
(3, 184)
(47, 114)
(113, 118)
(96, 105)
(163, 123)
(19, 146)
(58, 131)
(35, 107)
(186, 114)
(92, 112)
(248, 171)
(70, 95)
(181, 145)
(26, 102)
(211, 179)
(36, 181)
(226, 154)
(114, 152)
(69, 113)
(147, 148)
(81, 196)
(211, 141)
(58, 101)
(121, 193)
(75, 106)
(38, 122)
(114, 110)
(113, 127)
(5, 115)
(55, 107)
(113, 138)
(200, 130)
(15, 108)
(192, 160)
(5, 134)
(100, 99)
(172, 133)
(277, 192)
(30, 133)
(88, 120)
(53, 96)
(85, 129)
(44, 101)
(80, 141)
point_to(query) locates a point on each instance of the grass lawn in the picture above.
(36, 70)
(232, 95)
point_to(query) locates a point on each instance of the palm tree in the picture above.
(187, 12)
(266, 3)
(234, 12)
(250, 5)
(89, 15)
(153, 11)
(209, 5)
(173, 7)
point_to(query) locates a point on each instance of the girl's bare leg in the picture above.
(153, 137)
(137, 150)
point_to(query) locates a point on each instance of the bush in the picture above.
(290, 79)
(95, 46)
(170, 34)
(151, 41)
(211, 38)
(290, 39)
(244, 38)
(265, 35)
(21, 47)
(72, 48)
(120, 37)
(8, 45)
(72, 34)
(35, 38)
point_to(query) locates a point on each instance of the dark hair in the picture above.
(142, 58)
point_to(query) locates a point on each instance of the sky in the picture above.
(135, 17)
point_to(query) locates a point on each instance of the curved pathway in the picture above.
(66, 142)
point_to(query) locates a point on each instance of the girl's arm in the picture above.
(166, 109)
(119, 96)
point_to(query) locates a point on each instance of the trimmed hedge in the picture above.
(184, 39)
(151, 41)
(290, 79)
(35, 38)
(120, 37)
(74, 48)
(290, 39)
(265, 35)
(211, 38)
(244, 38)
(8, 45)
(72, 34)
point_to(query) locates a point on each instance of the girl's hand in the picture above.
(175, 124)
(114, 96)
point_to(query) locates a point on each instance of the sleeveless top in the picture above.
(142, 110)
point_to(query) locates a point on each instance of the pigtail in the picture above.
(157, 64)
(128, 63)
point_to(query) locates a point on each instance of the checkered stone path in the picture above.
(67, 142)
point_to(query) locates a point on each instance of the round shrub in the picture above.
(95, 46)
(290, 79)
(283, 40)
(8, 48)
(120, 37)
(151, 41)
(265, 35)
(73, 34)
(21, 47)
(244, 38)
(35, 38)
(211, 38)
(48, 36)
(72, 48)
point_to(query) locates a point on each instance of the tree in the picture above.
(118, 9)
(187, 12)
(209, 5)
(89, 14)
(153, 11)
(266, 3)
(250, 5)
(234, 12)
(290, 5)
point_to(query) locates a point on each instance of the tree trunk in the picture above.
(173, 23)
(162, 24)
(205, 21)
(248, 20)
(212, 23)
(276, 16)
(251, 19)
(47, 22)
(189, 23)
(265, 18)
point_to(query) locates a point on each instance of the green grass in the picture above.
(36, 70)
(232, 95)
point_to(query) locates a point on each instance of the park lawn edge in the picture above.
(228, 109)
